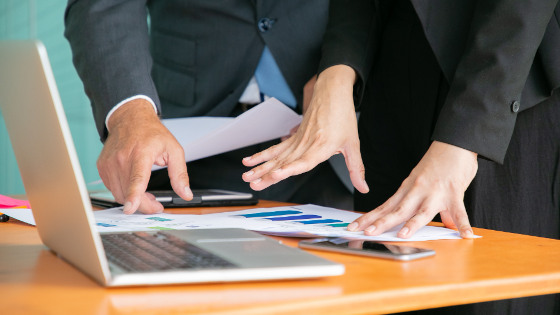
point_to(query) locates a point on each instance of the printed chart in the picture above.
(297, 221)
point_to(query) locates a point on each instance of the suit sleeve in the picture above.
(480, 110)
(110, 49)
(351, 38)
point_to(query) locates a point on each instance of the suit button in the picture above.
(515, 106)
(265, 24)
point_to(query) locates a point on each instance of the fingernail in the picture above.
(188, 191)
(353, 226)
(404, 231)
(246, 158)
(127, 207)
(277, 170)
(256, 181)
(249, 173)
(469, 234)
(370, 229)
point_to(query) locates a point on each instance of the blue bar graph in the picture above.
(322, 221)
(269, 214)
(295, 217)
(106, 224)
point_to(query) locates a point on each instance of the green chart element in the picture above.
(161, 228)
(339, 224)
(159, 219)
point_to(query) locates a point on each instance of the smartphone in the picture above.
(169, 199)
(367, 248)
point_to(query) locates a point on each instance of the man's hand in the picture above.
(329, 127)
(137, 140)
(436, 185)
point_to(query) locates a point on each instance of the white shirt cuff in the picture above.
(126, 101)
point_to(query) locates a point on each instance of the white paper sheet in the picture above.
(23, 215)
(264, 220)
(206, 136)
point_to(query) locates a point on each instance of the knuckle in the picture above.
(277, 176)
(136, 179)
(419, 181)
(381, 222)
(400, 210)
(121, 158)
(423, 211)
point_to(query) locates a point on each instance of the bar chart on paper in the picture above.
(312, 220)
(295, 216)
(297, 221)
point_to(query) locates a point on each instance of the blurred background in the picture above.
(44, 20)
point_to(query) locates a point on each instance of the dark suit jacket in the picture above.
(193, 58)
(499, 57)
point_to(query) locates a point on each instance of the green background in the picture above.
(44, 20)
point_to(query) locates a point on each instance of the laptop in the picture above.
(54, 184)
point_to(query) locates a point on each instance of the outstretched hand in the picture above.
(329, 127)
(436, 185)
(137, 140)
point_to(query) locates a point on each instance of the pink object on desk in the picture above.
(7, 202)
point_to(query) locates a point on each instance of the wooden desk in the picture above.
(498, 266)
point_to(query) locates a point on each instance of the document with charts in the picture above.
(291, 221)
(296, 221)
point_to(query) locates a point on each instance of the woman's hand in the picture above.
(436, 185)
(329, 127)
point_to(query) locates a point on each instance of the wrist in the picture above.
(339, 75)
(133, 112)
(336, 83)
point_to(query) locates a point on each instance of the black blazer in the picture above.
(193, 58)
(499, 57)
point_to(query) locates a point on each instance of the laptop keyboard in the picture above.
(142, 251)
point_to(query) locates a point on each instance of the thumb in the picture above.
(356, 168)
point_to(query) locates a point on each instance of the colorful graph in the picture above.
(160, 228)
(106, 224)
(296, 217)
(158, 219)
(322, 221)
(269, 214)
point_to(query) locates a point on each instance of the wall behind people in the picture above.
(43, 20)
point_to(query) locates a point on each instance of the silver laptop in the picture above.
(61, 206)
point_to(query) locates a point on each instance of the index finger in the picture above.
(177, 170)
(140, 172)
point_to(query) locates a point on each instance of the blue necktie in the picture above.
(271, 81)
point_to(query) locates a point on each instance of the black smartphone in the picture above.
(367, 248)
(169, 199)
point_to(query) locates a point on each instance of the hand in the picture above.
(307, 95)
(436, 184)
(329, 127)
(137, 140)
(308, 89)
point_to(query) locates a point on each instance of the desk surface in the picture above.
(498, 266)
